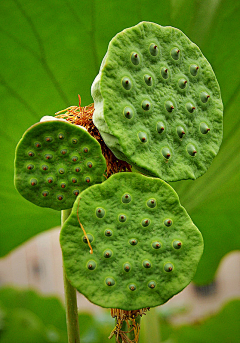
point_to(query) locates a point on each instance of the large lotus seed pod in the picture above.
(54, 162)
(145, 246)
(157, 103)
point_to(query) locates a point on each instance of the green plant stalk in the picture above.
(150, 328)
(125, 328)
(70, 299)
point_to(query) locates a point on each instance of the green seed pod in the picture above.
(133, 255)
(168, 222)
(126, 198)
(177, 244)
(91, 265)
(170, 59)
(204, 128)
(49, 151)
(143, 137)
(146, 222)
(135, 58)
(122, 218)
(180, 131)
(166, 153)
(148, 80)
(100, 212)
(191, 150)
(126, 83)
(204, 97)
(108, 233)
(132, 287)
(90, 238)
(160, 127)
(128, 112)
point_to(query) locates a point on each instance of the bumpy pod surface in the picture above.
(145, 246)
(157, 103)
(54, 162)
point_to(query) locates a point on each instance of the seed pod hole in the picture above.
(30, 166)
(63, 185)
(182, 83)
(168, 267)
(48, 156)
(100, 212)
(38, 145)
(126, 83)
(107, 253)
(169, 106)
(77, 169)
(204, 97)
(132, 287)
(153, 49)
(108, 232)
(90, 237)
(44, 167)
(204, 129)
(191, 150)
(30, 153)
(165, 73)
(146, 105)
(122, 218)
(151, 203)
(91, 265)
(128, 112)
(85, 150)
(60, 197)
(142, 137)
(89, 164)
(63, 151)
(110, 281)
(147, 264)
(177, 244)
(33, 182)
(74, 180)
(190, 107)
(194, 69)
(166, 153)
(48, 139)
(127, 267)
(160, 127)
(135, 58)
(50, 179)
(74, 158)
(175, 53)
(168, 222)
(133, 241)
(87, 179)
(61, 171)
(180, 131)
(152, 284)
(76, 192)
(45, 193)
(148, 80)
(156, 245)
(61, 136)
(74, 141)
(126, 198)
(146, 222)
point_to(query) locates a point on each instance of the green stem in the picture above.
(150, 328)
(131, 334)
(70, 299)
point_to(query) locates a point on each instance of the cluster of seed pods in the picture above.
(145, 246)
(156, 96)
(54, 162)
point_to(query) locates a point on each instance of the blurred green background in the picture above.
(51, 51)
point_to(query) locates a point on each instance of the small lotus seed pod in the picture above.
(127, 267)
(44, 167)
(48, 139)
(74, 158)
(146, 105)
(175, 53)
(110, 281)
(132, 287)
(74, 180)
(126, 83)
(31, 154)
(166, 153)
(85, 150)
(30, 166)
(153, 48)
(204, 97)
(126, 198)
(61, 171)
(182, 83)
(156, 245)
(63, 151)
(148, 80)
(74, 141)
(168, 267)
(160, 127)
(38, 145)
(107, 253)
(87, 179)
(48, 156)
(151, 203)
(146, 222)
(108, 233)
(60, 197)
(135, 58)
(173, 63)
(190, 107)
(194, 69)
(177, 244)
(33, 182)
(146, 264)
(77, 169)
(50, 179)
(76, 192)
(61, 136)
(204, 128)
(191, 150)
(63, 185)
(128, 112)
(122, 218)
(133, 241)
(142, 137)
(152, 284)
(45, 193)
(89, 164)
(133, 255)
(164, 73)
(180, 131)
(91, 265)
(168, 222)
(90, 238)
(100, 212)
(169, 106)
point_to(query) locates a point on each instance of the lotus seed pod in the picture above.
(171, 84)
(137, 265)
(54, 162)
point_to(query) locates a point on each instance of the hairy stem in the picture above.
(70, 299)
